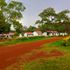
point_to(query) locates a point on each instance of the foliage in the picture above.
(66, 41)
(62, 16)
(4, 26)
(56, 27)
(10, 12)
(18, 27)
(47, 15)
(50, 20)
(31, 29)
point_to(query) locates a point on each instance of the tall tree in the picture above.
(31, 29)
(11, 12)
(62, 16)
(50, 20)
(18, 27)
(48, 15)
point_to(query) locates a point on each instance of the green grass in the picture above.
(57, 43)
(53, 63)
(21, 40)
(61, 63)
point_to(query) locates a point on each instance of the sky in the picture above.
(34, 7)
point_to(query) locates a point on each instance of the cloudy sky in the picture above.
(34, 7)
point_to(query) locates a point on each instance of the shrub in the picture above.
(66, 41)
(30, 38)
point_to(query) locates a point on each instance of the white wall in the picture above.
(28, 35)
(35, 34)
(63, 34)
(25, 34)
(56, 34)
(44, 34)
(20, 35)
(50, 34)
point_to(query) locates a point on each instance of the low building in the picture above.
(20, 35)
(37, 33)
(52, 33)
(28, 34)
(7, 35)
(63, 34)
(10, 35)
(44, 34)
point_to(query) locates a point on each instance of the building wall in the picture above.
(25, 34)
(35, 34)
(44, 34)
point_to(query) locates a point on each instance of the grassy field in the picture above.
(47, 63)
(21, 40)
(53, 63)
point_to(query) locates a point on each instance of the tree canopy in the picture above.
(10, 13)
(30, 29)
(50, 20)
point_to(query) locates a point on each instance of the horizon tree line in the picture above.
(51, 20)
(11, 12)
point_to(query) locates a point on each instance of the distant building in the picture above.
(44, 34)
(20, 35)
(28, 34)
(63, 34)
(7, 35)
(37, 33)
(52, 33)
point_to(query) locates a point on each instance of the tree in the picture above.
(50, 20)
(48, 15)
(18, 27)
(31, 29)
(62, 16)
(67, 26)
(10, 13)
(4, 26)
(38, 22)
(15, 13)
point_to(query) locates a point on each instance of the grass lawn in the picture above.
(52, 63)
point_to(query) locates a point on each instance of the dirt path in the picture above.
(9, 55)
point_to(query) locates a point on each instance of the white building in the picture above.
(28, 34)
(44, 34)
(20, 35)
(37, 33)
(63, 34)
(52, 33)
(7, 35)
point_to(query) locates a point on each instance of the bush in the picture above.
(66, 43)
(36, 37)
(30, 38)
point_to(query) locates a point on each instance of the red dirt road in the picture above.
(9, 55)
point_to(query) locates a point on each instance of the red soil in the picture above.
(41, 54)
(9, 55)
(56, 53)
(44, 54)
